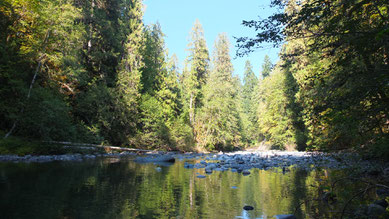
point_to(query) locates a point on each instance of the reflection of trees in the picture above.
(131, 190)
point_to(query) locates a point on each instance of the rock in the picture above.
(248, 208)
(188, 165)
(201, 176)
(382, 203)
(153, 159)
(158, 169)
(246, 172)
(285, 216)
(234, 187)
(375, 210)
(208, 170)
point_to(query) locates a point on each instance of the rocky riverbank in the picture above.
(241, 161)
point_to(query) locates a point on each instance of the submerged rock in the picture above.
(248, 208)
(285, 216)
(201, 176)
(156, 159)
(208, 170)
(246, 172)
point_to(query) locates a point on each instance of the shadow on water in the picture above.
(125, 189)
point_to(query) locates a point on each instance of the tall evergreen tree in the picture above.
(250, 81)
(266, 67)
(197, 73)
(218, 124)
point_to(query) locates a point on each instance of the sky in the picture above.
(177, 17)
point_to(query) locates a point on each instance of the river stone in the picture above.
(248, 208)
(201, 176)
(285, 216)
(208, 170)
(246, 172)
(375, 210)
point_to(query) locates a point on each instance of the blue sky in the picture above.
(216, 16)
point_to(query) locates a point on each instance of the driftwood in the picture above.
(72, 144)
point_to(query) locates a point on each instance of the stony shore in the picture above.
(241, 161)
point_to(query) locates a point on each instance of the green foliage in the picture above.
(195, 75)
(218, 122)
(248, 116)
(266, 67)
(338, 60)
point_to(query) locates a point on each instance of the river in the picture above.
(122, 188)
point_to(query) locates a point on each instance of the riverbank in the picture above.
(240, 161)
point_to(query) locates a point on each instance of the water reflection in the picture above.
(106, 189)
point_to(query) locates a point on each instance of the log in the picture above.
(73, 144)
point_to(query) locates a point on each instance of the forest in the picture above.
(91, 71)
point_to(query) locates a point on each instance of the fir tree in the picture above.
(218, 125)
(198, 67)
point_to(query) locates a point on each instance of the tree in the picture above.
(218, 124)
(108, 101)
(339, 69)
(249, 117)
(266, 67)
(40, 44)
(198, 66)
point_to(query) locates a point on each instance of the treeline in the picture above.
(330, 89)
(91, 71)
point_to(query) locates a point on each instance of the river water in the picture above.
(111, 188)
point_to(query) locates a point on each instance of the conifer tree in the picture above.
(266, 67)
(197, 71)
(218, 124)
(250, 81)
